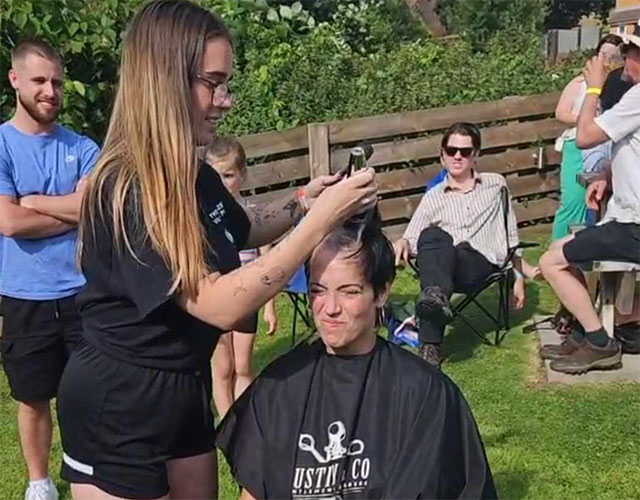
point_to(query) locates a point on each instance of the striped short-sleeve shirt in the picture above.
(474, 216)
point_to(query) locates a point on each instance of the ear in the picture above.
(382, 298)
(13, 78)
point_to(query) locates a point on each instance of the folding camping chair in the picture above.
(503, 277)
(298, 293)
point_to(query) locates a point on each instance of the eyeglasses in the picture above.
(452, 150)
(220, 93)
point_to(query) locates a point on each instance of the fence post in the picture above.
(318, 137)
(552, 46)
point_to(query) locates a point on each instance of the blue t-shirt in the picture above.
(46, 164)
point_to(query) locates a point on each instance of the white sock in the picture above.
(40, 482)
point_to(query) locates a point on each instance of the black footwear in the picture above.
(432, 354)
(564, 322)
(568, 346)
(629, 337)
(433, 305)
(589, 357)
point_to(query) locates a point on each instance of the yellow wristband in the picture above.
(594, 90)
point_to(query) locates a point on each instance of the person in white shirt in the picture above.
(617, 237)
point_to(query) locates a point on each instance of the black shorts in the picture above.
(37, 339)
(249, 325)
(610, 241)
(120, 423)
(252, 324)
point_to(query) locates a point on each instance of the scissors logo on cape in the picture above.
(336, 433)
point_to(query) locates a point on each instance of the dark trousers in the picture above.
(457, 268)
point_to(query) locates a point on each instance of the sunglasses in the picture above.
(452, 150)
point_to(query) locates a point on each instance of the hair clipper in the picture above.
(358, 157)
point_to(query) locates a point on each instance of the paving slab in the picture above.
(630, 371)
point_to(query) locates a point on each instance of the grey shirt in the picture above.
(474, 216)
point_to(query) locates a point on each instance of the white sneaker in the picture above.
(42, 491)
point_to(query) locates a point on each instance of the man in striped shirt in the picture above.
(458, 235)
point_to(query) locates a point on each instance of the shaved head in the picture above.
(34, 46)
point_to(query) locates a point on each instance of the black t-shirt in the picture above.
(125, 306)
(380, 425)
(614, 88)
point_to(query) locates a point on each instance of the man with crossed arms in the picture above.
(42, 173)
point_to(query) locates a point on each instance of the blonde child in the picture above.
(233, 356)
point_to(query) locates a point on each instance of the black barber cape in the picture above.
(379, 425)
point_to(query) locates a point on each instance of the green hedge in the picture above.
(367, 57)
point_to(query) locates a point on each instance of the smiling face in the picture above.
(38, 84)
(343, 303)
(216, 68)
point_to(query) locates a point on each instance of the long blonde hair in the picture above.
(149, 153)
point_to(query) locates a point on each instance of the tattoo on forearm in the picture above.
(292, 207)
(259, 216)
(239, 288)
(273, 277)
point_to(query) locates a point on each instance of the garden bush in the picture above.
(359, 57)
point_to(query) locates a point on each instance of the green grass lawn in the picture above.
(543, 441)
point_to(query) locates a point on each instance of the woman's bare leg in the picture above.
(243, 360)
(91, 492)
(223, 374)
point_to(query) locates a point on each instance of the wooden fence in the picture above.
(517, 139)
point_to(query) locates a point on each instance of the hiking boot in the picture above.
(432, 354)
(589, 357)
(433, 305)
(568, 346)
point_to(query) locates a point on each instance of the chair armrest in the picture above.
(519, 246)
(526, 244)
